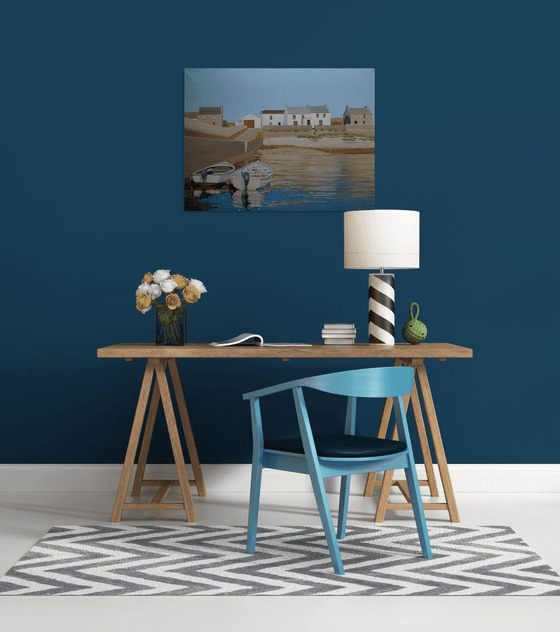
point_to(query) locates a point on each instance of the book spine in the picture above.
(338, 341)
(334, 332)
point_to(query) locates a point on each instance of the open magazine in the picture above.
(255, 339)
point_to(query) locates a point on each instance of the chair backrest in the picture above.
(380, 382)
(376, 382)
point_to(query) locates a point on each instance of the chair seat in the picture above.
(340, 445)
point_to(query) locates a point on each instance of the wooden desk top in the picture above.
(438, 350)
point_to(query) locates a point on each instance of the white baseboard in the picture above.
(232, 478)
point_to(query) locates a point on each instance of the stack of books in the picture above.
(334, 334)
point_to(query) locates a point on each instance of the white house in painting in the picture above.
(250, 121)
(272, 117)
(308, 116)
(320, 114)
(296, 116)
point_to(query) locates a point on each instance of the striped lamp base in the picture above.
(381, 329)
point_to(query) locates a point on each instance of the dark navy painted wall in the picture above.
(467, 114)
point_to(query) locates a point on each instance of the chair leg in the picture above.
(326, 520)
(343, 506)
(256, 477)
(418, 508)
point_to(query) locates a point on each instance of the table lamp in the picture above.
(377, 240)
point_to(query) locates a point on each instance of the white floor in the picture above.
(24, 518)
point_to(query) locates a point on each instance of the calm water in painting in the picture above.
(303, 180)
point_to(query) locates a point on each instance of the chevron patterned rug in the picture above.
(203, 560)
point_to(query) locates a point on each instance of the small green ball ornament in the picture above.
(414, 331)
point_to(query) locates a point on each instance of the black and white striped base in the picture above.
(381, 329)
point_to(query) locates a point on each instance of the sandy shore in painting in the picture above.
(352, 145)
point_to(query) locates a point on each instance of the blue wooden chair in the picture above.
(340, 454)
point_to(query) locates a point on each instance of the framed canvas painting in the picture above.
(279, 139)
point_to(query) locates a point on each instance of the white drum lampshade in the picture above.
(380, 239)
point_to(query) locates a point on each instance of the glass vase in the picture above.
(171, 327)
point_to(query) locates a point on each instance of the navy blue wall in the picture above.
(467, 105)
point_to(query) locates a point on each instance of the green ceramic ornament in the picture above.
(414, 331)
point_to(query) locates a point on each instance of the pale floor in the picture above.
(24, 518)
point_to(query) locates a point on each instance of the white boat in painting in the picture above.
(214, 174)
(251, 177)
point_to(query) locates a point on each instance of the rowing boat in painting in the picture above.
(253, 176)
(214, 174)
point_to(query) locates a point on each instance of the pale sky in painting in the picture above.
(245, 91)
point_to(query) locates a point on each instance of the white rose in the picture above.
(154, 290)
(160, 276)
(169, 285)
(143, 287)
(199, 285)
(146, 310)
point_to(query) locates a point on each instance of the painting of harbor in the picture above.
(279, 140)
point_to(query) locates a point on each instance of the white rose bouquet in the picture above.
(163, 291)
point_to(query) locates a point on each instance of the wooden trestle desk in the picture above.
(159, 359)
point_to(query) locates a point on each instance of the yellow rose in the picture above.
(180, 280)
(148, 278)
(143, 301)
(173, 301)
(191, 294)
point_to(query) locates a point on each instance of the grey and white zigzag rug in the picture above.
(289, 560)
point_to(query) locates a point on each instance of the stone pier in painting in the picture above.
(206, 145)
